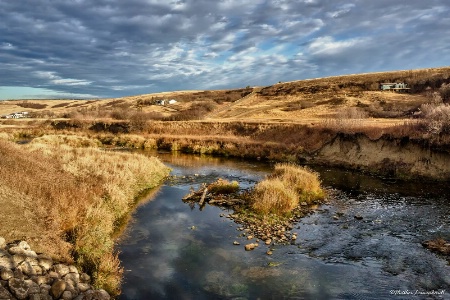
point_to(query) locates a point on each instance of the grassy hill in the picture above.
(349, 96)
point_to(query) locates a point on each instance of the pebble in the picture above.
(250, 247)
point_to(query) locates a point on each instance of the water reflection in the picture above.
(174, 252)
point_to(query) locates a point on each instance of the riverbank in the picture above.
(405, 151)
(69, 199)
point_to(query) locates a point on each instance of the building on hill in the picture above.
(395, 86)
(16, 115)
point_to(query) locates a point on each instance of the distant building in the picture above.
(395, 86)
(16, 115)
(172, 101)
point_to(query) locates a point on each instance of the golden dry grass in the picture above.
(296, 101)
(303, 180)
(285, 189)
(223, 186)
(77, 197)
(273, 196)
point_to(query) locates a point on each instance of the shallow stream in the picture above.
(173, 251)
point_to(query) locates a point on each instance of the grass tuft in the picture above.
(223, 187)
(285, 189)
(273, 196)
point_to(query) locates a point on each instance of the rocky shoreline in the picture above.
(24, 274)
(279, 231)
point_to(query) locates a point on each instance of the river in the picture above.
(171, 250)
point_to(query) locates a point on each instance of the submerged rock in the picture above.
(438, 245)
(250, 247)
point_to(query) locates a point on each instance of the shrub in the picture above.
(64, 104)
(436, 117)
(444, 91)
(138, 120)
(34, 105)
(120, 114)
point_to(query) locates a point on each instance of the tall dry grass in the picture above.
(85, 194)
(305, 182)
(285, 189)
(36, 194)
(273, 196)
(68, 140)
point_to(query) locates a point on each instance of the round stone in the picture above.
(57, 288)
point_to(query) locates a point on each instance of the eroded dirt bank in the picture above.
(401, 158)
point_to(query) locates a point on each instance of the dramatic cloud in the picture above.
(110, 48)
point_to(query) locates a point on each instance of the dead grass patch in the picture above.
(285, 189)
(223, 187)
(79, 197)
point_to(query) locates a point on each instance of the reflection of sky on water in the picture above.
(175, 252)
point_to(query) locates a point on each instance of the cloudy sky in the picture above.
(112, 48)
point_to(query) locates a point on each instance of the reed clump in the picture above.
(287, 187)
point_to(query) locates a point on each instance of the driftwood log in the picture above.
(202, 199)
(203, 196)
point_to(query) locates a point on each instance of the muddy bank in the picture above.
(400, 158)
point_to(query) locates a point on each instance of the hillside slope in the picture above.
(350, 96)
